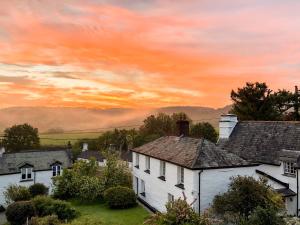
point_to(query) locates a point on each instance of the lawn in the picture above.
(63, 138)
(100, 211)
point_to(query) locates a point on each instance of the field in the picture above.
(63, 138)
(100, 212)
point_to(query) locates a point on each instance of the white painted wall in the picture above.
(40, 177)
(156, 189)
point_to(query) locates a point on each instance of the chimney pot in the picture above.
(183, 127)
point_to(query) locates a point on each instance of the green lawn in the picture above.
(100, 211)
(62, 139)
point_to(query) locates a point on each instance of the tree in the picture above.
(256, 101)
(21, 137)
(204, 130)
(244, 196)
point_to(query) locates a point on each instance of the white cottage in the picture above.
(29, 167)
(168, 166)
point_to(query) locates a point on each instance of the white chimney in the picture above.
(85, 147)
(226, 125)
(2, 150)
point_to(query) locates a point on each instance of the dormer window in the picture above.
(56, 169)
(289, 168)
(26, 173)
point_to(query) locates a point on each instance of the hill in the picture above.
(46, 118)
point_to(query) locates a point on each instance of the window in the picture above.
(170, 197)
(147, 164)
(289, 168)
(180, 177)
(162, 170)
(56, 170)
(143, 191)
(137, 160)
(26, 173)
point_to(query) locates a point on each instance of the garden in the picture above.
(86, 194)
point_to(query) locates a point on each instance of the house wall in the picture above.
(216, 181)
(157, 190)
(39, 177)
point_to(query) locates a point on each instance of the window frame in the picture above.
(170, 197)
(143, 188)
(27, 172)
(180, 175)
(162, 170)
(147, 164)
(137, 160)
(56, 170)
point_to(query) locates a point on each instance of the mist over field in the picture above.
(69, 119)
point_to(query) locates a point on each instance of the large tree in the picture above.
(21, 137)
(204, 130)
(256, 101)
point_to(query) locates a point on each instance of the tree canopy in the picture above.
(21, 137)
(256, 101)
(204, 130)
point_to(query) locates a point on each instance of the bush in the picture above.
(16, 193)
(90, 189)
(120, 197)
(47, 220)
(261, 216)
(38, 189)
(2, 209)
(18, 212)
(46, 206)
(88, 221)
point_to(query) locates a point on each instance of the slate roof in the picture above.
(40, 160)
(190, 152)
(264, 141)
(88, 154)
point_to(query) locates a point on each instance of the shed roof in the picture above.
(190, 152)
(39, 159)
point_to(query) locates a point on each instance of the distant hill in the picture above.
(46, 118)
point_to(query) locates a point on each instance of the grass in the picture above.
(100, 211)
(63, 138)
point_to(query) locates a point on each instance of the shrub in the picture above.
(38, 189)
(261, 216)
(120, 197)
(90, 189)
(2, 209)
(45, 206)
(16, 193)
(88, 221)
(47, 220)
(18, 212)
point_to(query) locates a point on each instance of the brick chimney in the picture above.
(183, 127)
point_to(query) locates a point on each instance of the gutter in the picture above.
(199, 191)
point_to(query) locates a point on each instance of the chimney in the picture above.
(226, 125)
(85, 146)
(183, 127)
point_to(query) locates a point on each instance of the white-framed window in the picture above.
(143, 188)
(180, 175)
(147, 158)
(56, 170)
(26, 173)
(170, 197)
(137, 160)
(162, 172)
(289, 168)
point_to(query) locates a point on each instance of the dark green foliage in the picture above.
(15, 193)
(204, 130)
(47, 220)
(21, 137)
(256, 101)
(2, 209)
(263, 216)
(120, 197)
(244, 195)
(18, 212)
(45, 206)
(38, 189)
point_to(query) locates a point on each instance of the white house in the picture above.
(29, 167)
(168, 166)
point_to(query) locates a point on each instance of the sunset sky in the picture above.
(144, 53)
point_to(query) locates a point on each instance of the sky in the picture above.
(144, 53)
